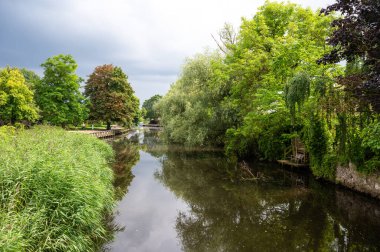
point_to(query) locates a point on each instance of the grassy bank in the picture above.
(56, 188)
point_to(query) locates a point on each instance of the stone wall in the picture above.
(349, 177)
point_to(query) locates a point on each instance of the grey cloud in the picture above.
(32, 31)
(148, 39)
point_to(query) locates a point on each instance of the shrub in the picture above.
(322, 160)
(370, 166)
(6, 131)
(56, 188)
(327, 169)
(371, 137)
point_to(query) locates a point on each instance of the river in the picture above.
(189, 199)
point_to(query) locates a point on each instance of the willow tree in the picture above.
(111, 96)
(297, 91)
(191, 110)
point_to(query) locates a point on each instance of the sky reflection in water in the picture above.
(148, 212)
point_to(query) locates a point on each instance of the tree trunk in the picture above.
(13, 116)
(108, 125)
(13, 120)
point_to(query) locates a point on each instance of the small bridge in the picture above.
(103, 133)
(108, 133)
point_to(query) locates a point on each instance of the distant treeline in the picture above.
(56, 99)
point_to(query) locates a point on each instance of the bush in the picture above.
(327, 169)
(371, 137)
(56, 188)
(370, 166)
(6, 131)
(323, 162)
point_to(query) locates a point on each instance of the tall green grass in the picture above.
(55, 189)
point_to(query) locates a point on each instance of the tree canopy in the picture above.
(111, 97)
(238, 98)
(16, 99)
(148, 105)
(356, 39)
(267, 89)
(191, 110)
(31, 78)
(58, 95)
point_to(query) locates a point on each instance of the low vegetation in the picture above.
(56, 189)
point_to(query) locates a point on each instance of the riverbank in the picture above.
(56, 189)
(348, 176)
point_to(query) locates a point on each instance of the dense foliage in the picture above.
(268, 88)
(56, 188)
(150, 112)
(357, 38)
(58, 95)
(191, 111)
(111, 97)
(238, 99)
(31, 78)
(16, 99)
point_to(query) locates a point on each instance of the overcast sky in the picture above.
(148, 39)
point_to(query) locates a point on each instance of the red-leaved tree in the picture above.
(111, 97)
(357, 38)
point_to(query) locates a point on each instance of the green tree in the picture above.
(31, 78)
(127, 155)
(191, 112)
(111, 97)
(16, 99)
(58, 95)
(281, 41)
(240, 98)
(148, 105)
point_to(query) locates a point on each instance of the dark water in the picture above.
(182, 199)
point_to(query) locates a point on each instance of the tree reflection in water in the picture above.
(280, 211)
(126, 156)
(285, 211)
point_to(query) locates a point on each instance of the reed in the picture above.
(55, 188)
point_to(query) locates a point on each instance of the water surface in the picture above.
(181, 199)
